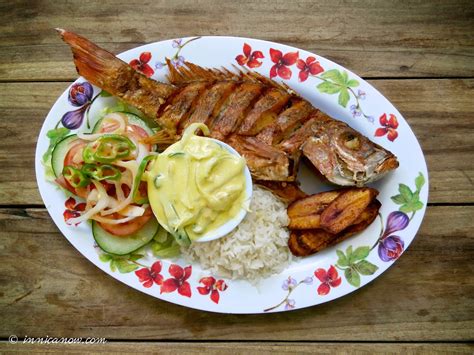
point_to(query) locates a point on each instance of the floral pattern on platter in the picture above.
(212, 286)
(249, 58)
(282, 62)
(80, 95)
(141, 64)
(389, 127)
(73, 209)
(177, 59)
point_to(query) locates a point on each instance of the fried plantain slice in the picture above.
(295, 247)
(310, 241)
(305, 222)
(346, 208)
(312, 204)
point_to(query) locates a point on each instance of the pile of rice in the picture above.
(256, 249)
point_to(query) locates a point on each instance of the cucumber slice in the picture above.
(124, 245)
(59, 153)
(132, 119)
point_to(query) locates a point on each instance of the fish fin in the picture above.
(190, 72)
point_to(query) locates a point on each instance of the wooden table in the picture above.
(418, 54)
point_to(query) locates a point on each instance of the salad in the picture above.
(105, 168)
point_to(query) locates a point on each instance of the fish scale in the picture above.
(266, 122)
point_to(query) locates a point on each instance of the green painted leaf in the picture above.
(349, 251)
(345, 77)
(418, 205)
(342, 261)
(104, 93)
(352, 83)
(359, 254)
(329, 88)
(406, 208)
(105, 257)
(344, 97)
(398, 199)
(366, 268)
(334, 75)
(419, 182)
(405, 192)
(352, 276)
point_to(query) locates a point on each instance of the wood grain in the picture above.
(372, 38)
(439, 111)
(48, 288)
(243, 348)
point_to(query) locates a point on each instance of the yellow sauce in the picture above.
(196, 185)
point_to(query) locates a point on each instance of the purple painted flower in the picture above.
(308, 280)
(371, 119)
(355, 110)
(178, 62)
(176, 43)
(361, 94)
(289, 283)
(390, 248)
(73, 119)
(80, 93)
(289, 304)
(159, 65)
(396, 221)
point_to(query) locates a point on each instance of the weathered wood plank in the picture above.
(48, 288)
(373, 38)
(244, 348)
(439, 111)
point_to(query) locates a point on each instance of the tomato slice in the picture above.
(127, 228)
(74, 155)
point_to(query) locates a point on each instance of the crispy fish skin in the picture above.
(344, 210)
(273, 117)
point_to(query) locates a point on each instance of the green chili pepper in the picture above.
(138, 178)
(108, 148)
(75, 177)
(101, 172)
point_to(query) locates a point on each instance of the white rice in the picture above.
(256, 249)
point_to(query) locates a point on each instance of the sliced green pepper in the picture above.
(108, 148)
(101, 172)
(138, 178)
(75, 177)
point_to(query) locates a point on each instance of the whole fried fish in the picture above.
(266, 122)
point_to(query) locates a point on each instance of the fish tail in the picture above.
(113, 75)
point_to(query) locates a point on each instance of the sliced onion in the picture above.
(103, 201)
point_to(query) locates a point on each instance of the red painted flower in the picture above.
(141, 64)
(212, 286)
(329, 278)
(73, 210)
(250, 58)
(148, 276)
(389, 126)
(281, 63)
(311, 66)
(178, 280)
